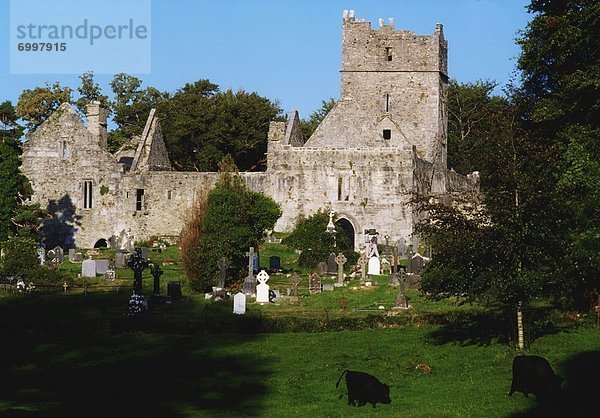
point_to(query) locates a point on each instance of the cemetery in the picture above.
(278, 349)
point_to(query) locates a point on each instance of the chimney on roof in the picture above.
(96, 117)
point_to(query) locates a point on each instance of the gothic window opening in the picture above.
(387, 134)
(88, 198)
(139, 199)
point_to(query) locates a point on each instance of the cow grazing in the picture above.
(363, 388)
(533, 374)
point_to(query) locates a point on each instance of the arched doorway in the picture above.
(101, 243)
(348, 240)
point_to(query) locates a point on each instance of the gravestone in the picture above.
(340, 261)
(385, 266)
(314, 284)
(262, 289)
(88, 268)
(275, 262)
(331, 264)
(295, 282)
(273, 295)
(174, 290)
(110, 273)
(250, 281)
(102, 266)
(74, 256)
(401, 300)
(374, 266)
(56, 255)
(218, 293)
(121, 259)
(156, 273)
(322, 268)
(239, 303)
(401, 247)
(145, 253)
(223, 265)
(415, 263)
(328, 287)
(362, 262)
(138, 265)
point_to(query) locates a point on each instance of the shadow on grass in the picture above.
(494, 325)
(579, 395)
(94, 373)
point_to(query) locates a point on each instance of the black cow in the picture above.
(533, 374)
(363, 388)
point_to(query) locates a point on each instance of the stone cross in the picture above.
(223, 265)
(156, 273)
(394, 266)
(401, 301)
(341, 260)
(138, 265)
(262, 289)
(250, 282)
(362, 260)
(295, 282)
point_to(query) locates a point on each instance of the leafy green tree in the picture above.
(201, 125)
(560, 63)
(131, 107)
(310, 125)
(475, 118)
(90, 91)
(310, 236)
(14, 187)
(8, 121)
(233, 219)
(35, 106)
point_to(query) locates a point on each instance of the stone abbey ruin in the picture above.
(383, 142)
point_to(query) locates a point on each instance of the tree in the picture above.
(233, 219)
(310, 236)
(560, 63)
(8, 121)
(475, 118)
(201, 125)
(316, 117)
(90, 91)
(131, 107)
(35, 106)
(14, 187)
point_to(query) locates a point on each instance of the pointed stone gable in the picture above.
(151, 153)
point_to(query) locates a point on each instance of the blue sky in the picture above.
(289, 51)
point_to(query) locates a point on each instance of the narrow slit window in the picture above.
(139, 199)
(65, 150)
(387, 102)
(388, 53)
(339, 188)
(88, 198)
(169, 194)
(387, 134)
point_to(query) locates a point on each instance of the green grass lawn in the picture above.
(70, 354)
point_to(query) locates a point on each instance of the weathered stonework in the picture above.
(383, 142)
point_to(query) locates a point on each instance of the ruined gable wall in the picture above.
(59, 157)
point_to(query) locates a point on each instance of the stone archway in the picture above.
(101, 243)
(348, 229)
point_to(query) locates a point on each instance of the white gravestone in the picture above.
(88, 268)
(262, 289)
(374, 266)
(239, 303)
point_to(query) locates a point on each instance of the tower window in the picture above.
(139, 199)
(387, 102)
(169, 194)
(388, 53)
(88, 199)
(387, 134)
(65, 150)
(339, 188)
